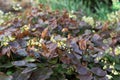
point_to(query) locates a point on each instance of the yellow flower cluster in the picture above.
(89, 20)
(114, 17)
(6, 40)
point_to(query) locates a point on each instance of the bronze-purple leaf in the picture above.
(5, 77)
(22, 52)
(21, 76)
(22, 43)
(5, 50)
(19, 63)
(41, 74)
(14, 44)
(82, 70)
(28, 69)
(85, 77)
(98, 71)
(76, 48)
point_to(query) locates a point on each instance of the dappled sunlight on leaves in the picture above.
(45, 44)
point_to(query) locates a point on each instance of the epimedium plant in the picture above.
(5, 16)
(42, 44)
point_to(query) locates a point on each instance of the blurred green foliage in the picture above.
(100, 7)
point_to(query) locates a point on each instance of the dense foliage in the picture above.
(94, 8)
(41, 44)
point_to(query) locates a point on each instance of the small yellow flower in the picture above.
(26, 27)
(89, 20)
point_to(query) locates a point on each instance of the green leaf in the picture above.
(8, 65)
(53, 61)
(117, 66)
(30, 59)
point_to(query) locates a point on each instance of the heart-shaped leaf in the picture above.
(99, 72)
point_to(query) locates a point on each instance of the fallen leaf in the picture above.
(65, 30)
(45, 49)
(44, 33)
(82, 44)
(105, 27)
